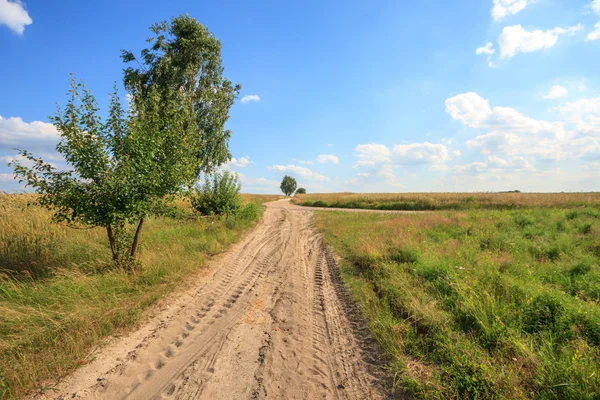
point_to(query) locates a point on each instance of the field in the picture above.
(500, 303)
(447, 201)
(60, 295)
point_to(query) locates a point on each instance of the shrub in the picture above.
(220, 195)
(301, 191)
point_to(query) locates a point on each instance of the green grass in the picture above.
(479, 304)
(60, 295)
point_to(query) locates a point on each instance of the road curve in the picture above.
(268, 323)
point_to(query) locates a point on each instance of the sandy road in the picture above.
(268, 323)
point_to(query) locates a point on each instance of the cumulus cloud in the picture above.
(505, 8)
(300, 171)
(584, 115)
(509, 131)
(14, 15)
(325, 158)
(556, 92)
(250, 97)
(4, 177)
(595, 34)
(515, 39)
(595, 5)
(513, 163)
(242, 162)
(487, 49)
(377, 161)
(420, 153)
(258, 185)
(16, 132)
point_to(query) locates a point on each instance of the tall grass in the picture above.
(60, 295)
(447, 201)
(479, 304)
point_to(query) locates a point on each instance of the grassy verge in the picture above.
(447, 201)
(479, 304)
(60, 296)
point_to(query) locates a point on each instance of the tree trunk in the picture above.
(135, 239)
(113, 244)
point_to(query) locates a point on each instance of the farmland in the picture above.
(447, 201)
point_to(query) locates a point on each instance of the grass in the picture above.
(447, 201)
(479, 304)
(60, 296)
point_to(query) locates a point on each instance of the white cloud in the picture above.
(420, 153)
(515, 39)
(250, 97)
(595, 5)
(306, 162)
(325, 158)
(509, 131)
(6, 177)
(556, 92)
(513, 163)
(584, 114)
(15, 132)
(487, 49)
(242, 162)
(14, 15)
(300, 171)
(470, 169)
(595, 34)
(258, 185)
(375, 160)
(505, 8)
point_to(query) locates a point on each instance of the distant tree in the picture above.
(220, 194)
(301, 191)
(123, 169)
(288, 185)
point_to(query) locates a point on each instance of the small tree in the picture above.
(124, 168)
(301, 191)
(288, 185)
(220, 194)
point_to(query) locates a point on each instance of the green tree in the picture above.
(288, 185)
(124, 169)
(220, 194)
(185, 58)
(300, 191)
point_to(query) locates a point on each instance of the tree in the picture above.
(123, 169)
(301, 191)
(185, 58)
(220, 194)
(288, 185)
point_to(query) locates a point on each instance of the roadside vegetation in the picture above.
(447, 201)
(61, 293)
(480, 304)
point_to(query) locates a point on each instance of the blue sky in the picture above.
(386, 96)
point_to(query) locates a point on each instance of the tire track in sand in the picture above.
(268, 324)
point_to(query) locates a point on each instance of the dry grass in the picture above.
(60, 295)
(439, 201)
(261, 198)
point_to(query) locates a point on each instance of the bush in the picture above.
(301, 191)
(220, 195)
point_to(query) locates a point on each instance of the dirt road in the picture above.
(266, 323)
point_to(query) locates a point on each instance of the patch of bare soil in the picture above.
(269, 322)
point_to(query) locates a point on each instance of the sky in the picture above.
(343, 95)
